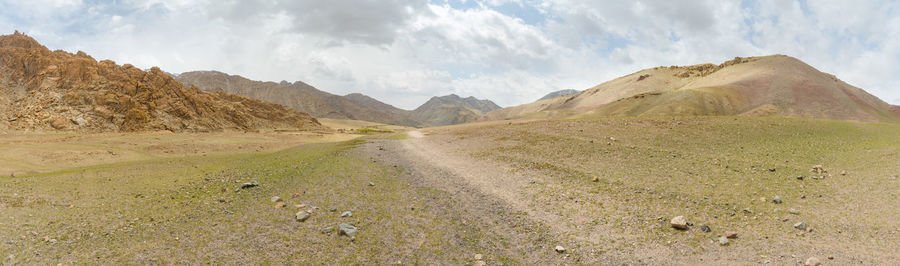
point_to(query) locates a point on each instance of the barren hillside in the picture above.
(774, 85)
(56, 90)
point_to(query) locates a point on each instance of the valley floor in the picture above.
(499, 193)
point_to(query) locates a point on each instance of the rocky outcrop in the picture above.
(56, 90)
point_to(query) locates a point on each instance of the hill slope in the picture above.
(558, 93)
(299, 96)
(452, 109)
(44, 90)
(438, 111)
(775, 85)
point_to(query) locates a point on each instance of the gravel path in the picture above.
(484, 205)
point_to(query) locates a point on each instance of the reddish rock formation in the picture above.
(55, 90)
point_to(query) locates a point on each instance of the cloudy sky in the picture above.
(510, 51)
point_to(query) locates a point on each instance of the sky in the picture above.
(512, 52)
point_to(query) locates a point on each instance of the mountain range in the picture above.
(775, 85)
(438, 111)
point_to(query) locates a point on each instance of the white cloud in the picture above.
(404, 51)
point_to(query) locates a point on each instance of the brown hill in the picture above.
(775, 85)
(438, 111)
(452, 109)
(301, 96)
(45, 90)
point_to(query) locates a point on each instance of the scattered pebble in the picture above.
(794, 211)
(705, 229)
(279, 205)
(812, 261)
(560, 249)
(302, 216)
(772, 169)
(843, 172)
(346, 214)
(776, 200)
(371, 184)
(249, 185)
(596, 179)
(679, 223)
(748, 211)
(800, 225)
(346, 230)
(723, 241)
(276, 199)
(799, 177)
(730, 234)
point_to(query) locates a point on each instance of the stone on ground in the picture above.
(776, 200)
(679, 222)
(249, 185)
(560, 249)
(812, 261)
(279, 205)
(276, 199)
(302, 216)
(794, 211)
(705, 229)
(730, 234)
(723, 241)
(800, 225)
(346, 230)
(346, 214)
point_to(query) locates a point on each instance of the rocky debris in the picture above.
(65, 91)
(560, 249)
(801, 226)
(302, 216)
(346, 230)
(705, 229)
(723, 241)
(596, 179)
(748, 211)
(279, 205)
(478, 256)
(346, 214)
(794, 211)
(776, 200)
(327, 229)
(730, 234)
(812, 261)
(799, 177)
(843, 172)
(249, 185)
(371, 184)
(276, 199)
(679, 222)
(772, 169)
(818, 169)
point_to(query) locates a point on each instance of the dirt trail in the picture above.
(497, 195)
